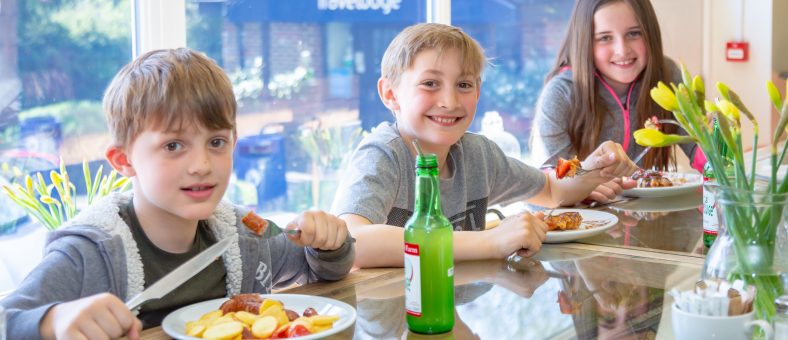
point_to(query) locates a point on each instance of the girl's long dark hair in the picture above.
(587, 107)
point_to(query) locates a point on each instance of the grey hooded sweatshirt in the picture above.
(95, 253)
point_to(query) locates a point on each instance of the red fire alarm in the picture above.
(736, 51)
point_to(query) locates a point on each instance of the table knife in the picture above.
(178, 276)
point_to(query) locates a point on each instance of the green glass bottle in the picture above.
(429, 262)
(711, 224)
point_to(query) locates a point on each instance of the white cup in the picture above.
(695, 326)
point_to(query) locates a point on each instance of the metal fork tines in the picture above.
(581, 171)
(550, 212)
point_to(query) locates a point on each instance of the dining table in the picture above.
(611, 285)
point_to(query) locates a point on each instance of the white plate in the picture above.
(694, 181)
(594, 222)
(175, 323)
(677, 203)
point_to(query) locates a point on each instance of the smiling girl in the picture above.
(598, 89)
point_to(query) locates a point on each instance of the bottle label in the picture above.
(711, 225)
(412, 280)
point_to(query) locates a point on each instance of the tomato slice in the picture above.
(563, 168)
(281, 332)
(297, 330)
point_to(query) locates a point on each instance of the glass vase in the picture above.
(752, 244)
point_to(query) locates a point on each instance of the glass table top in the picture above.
(562, 293)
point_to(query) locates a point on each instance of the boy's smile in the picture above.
(433, 102)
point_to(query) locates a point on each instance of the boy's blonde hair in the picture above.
(167, 89)
(407, 44)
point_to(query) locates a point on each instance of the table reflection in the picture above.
(671, 224)
(562, 293)
(605, 306)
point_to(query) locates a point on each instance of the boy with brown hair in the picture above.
(171, 114)
(431, 80)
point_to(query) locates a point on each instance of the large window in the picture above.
(521, 38)
(56, 58)
(304, 73)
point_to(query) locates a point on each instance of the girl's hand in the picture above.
(319, 230)
(610, 190)
(524, 233)
(611, 160)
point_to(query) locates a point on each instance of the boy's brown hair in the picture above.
(166, 89)
(402, 51)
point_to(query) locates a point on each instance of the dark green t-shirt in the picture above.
(208, 284)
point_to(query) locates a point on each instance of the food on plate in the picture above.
(254, 222)
(567, 168)
(650, 179)
(564, 221)
(242, 302)
(249, 316)
(567, 305)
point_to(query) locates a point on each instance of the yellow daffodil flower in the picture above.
(665, 97)
(29, 184)
(728, 109)
(656, 138)
(723, 90)
(710, 107)
(55, 177)
(698, 86)
(774, 95)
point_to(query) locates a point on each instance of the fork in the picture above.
(581, 171)
(294, 231)
(550, 212)
(640, 156)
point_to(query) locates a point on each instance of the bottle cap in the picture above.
(427, 160)
(781, 303)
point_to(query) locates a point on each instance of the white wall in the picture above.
(748, 78)
(681, 23)
(696, 31)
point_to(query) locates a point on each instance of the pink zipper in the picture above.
(624, 109)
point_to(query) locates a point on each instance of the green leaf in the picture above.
(728, 130)
(781, 124)
(41, 185)
(734, 98)
(88, 179)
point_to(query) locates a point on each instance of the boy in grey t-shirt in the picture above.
(431, 77)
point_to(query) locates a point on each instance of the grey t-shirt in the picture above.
(379, 183)
(550, 137)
